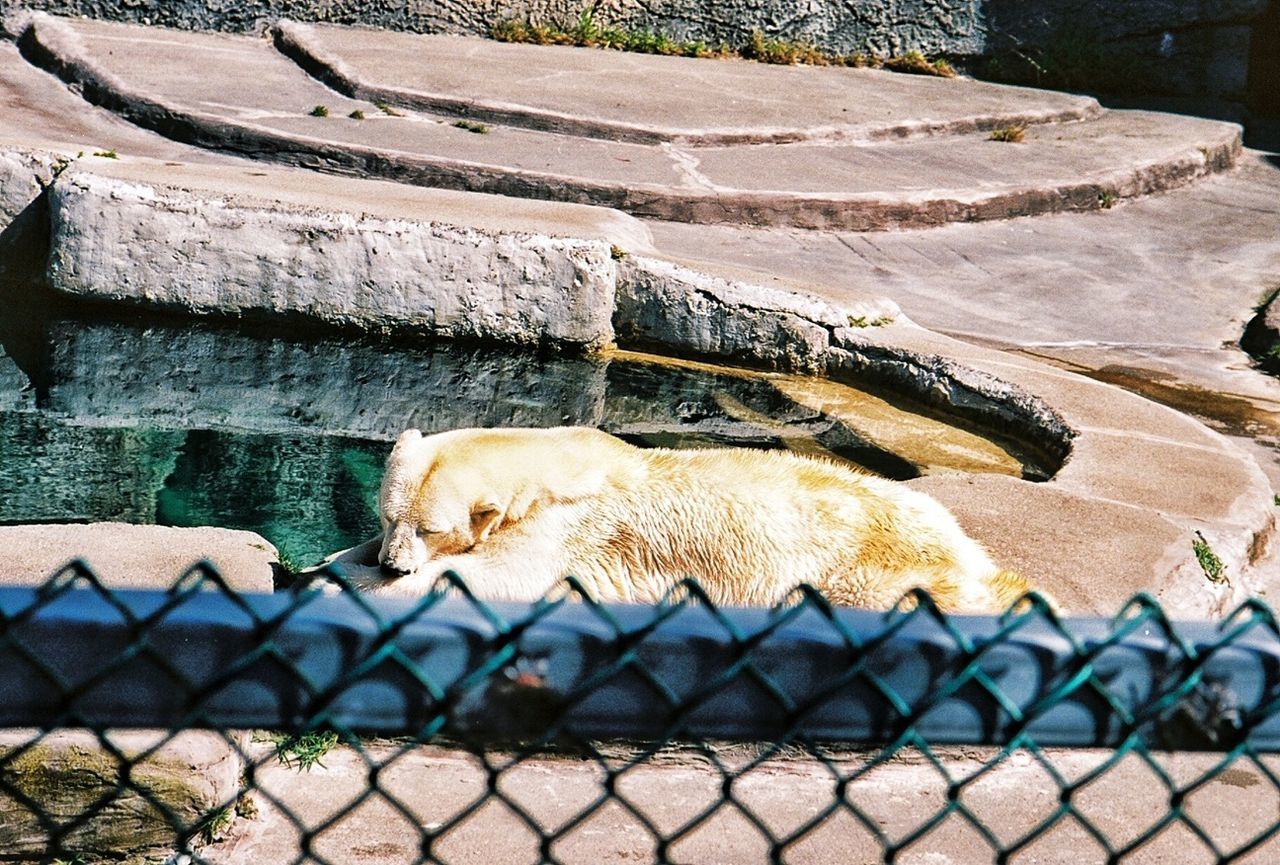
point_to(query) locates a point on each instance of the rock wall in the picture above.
(1185, 47)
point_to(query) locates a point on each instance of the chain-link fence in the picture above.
(202, 725)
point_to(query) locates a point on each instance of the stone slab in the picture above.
(593, 93)
(133, 811)
(126, 556)
(177, 83)
(232, 255)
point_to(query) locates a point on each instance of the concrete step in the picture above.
(190, 86)
(692, 101)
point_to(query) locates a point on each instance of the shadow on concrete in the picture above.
(24, 295)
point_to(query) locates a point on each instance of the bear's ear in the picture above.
(408, 437)
(485, 517)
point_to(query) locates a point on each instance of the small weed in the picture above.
(617, 253)
(784, 52)
(74, 860)
(863, 321)
(217, 824)
(1208, 559)
(320, 111)
(106, 154)
(587, 31)
(304, 750)
(246, 807)
(1106, 199)
(859, 60)
(472, 126)
(1276, 500)
(915, 63)
(356, 115)
(291, 566)
(60, 165)
(508, 30)
(1010, 134)
(387, 109)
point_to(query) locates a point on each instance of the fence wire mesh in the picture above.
(201, 725)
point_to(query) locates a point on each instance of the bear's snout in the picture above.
(391, 569)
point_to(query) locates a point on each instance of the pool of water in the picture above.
(197, 424)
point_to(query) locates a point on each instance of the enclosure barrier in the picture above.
(351, 728)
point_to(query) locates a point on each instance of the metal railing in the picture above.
(448, 729)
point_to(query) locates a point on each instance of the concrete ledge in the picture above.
(125, 556)
(231, 255)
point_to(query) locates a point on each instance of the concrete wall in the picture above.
(1188, 47)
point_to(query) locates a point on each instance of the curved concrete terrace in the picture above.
(181, 84)
(1117, 519)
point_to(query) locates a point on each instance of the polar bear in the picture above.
(512, 511)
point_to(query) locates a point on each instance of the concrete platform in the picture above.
(424, 788)
(179, 84)
(593, 93)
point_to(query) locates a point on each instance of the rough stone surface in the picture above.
(950, 27)
(230, 257)
(23, 174)
(664, 304)
(198, 378)
(69, 773)
(126, 556)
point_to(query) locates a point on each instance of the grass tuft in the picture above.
(216, 825)
(320, 111)
(106, 154)
(356, 115)
(784, 52)
(617, 253)
(1009, 134)
(303, 750)
(915, 63)
(863, 321)
(472, 126)
(586, 31)
(1208, 559)
(387, 109)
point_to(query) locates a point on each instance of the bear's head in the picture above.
(431, 504)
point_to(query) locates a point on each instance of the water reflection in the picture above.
(217, 426)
